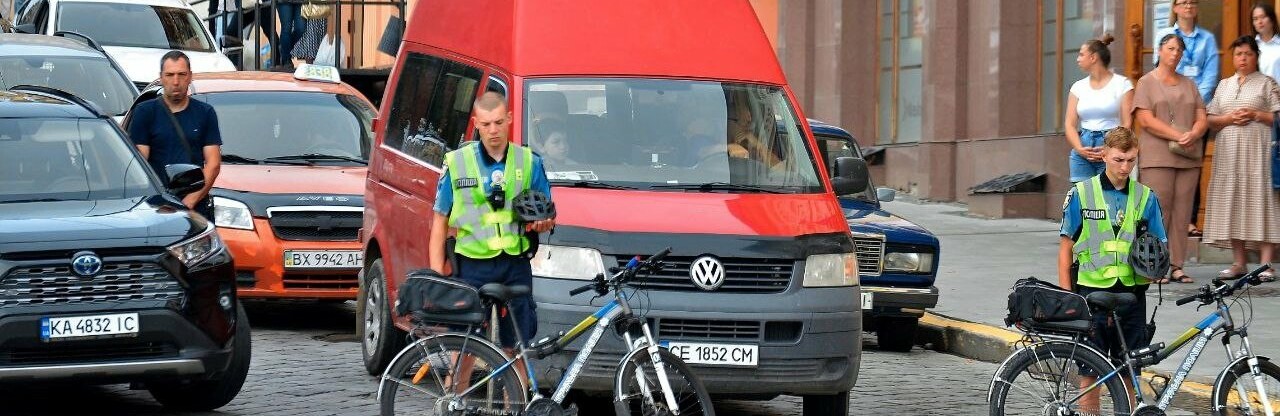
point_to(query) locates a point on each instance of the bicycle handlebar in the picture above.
(601, 285)
(1217, 289)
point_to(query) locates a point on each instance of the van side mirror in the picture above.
(25, 28)
(851, 176)
(184, 178)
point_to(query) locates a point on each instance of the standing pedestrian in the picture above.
(292, 27)
(1242, 212)
(1266, 29)
(173, 129)
(1172, 114)
(1102, 220)
(1200, 63)
(474, 197)
(317, 18)
(1098, 103)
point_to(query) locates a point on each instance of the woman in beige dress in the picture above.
(1172, 114)
(1241, 209)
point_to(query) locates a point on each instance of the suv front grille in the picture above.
(72, 353)
(317, 225)
(742, 275)
(870, 252)
(120, 281)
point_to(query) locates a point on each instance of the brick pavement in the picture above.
(306, 361)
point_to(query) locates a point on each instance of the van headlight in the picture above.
(829, 270)
(908, 262)
(562, 262)
(196, 249)
(230, 213)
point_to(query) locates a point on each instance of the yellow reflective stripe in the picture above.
(496, 218)
(502, 242)
(1115, 246)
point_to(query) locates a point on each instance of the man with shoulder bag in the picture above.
(173, 129)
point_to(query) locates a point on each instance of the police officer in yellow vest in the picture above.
(474, 198)
(1100, 220)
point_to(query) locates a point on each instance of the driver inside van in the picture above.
(741, 130)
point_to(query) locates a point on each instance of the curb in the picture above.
(992, 344)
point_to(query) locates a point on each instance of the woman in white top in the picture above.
(1100, 102)
(1265, 31)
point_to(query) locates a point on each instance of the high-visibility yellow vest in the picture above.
(1101, 251)
(485, 232)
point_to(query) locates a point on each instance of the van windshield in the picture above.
(668, 135)
(58, 159)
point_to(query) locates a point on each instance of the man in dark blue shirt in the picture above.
(159, 140)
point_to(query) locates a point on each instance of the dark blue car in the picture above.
(898, 259)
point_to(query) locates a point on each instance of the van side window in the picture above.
(431, 107)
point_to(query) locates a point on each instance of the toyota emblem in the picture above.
(86, 264)
(707, 273)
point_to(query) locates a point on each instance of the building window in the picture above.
(899, 107)
(1065, 25)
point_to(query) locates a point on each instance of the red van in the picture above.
(661, 124)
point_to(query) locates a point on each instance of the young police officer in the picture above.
(474, 197)
(1100, 221)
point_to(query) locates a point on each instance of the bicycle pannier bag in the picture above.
(439, 299)
(1041, 301)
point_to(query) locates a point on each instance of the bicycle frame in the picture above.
(601, 320)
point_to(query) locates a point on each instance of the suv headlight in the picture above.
(828, 270)
(230, 213)
(562, 262)
(196, 249)
(909, 262)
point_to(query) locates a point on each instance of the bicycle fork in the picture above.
(1255, 370)
(655, 356)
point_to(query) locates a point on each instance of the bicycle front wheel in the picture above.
(1049, 378)
(638, 392)
(428, 376)
(1227, 397)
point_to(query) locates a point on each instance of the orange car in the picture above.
(289, 201)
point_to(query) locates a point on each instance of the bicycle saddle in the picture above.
(504, 293)
(1108, 301)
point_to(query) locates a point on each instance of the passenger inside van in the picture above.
(551, 141)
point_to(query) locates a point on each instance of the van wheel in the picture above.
(380, 340)
(823, 405)
(212, 394)
(897, 334)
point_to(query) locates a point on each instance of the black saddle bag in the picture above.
(439, 299)
(1036, 301)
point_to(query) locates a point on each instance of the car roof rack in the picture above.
(57, 93)
(88, 40)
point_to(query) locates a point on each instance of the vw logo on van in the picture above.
(707, 273)
(86, 264)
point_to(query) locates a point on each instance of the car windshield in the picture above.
(93, 79)
(68, 159)
(135, 25)
(273, 124)
(668, 135)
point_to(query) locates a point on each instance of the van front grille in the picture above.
(741, 275)
(699, 329)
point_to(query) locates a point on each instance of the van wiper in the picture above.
(318, 156)
(715, 186)
(589, 184)
(234, 158)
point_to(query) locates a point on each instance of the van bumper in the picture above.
(801, 352)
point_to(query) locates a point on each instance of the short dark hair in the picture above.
(1246, 41)
(1120, 138)
(174, 56)
(1170, 37)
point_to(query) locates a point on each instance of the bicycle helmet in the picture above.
(1149, 256)
(533, 205)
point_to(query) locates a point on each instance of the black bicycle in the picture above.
(462, 373)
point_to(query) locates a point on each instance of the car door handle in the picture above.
(419, 182)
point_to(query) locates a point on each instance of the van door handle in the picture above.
(419, 182)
